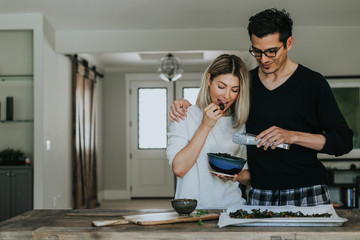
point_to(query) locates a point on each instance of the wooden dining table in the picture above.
(77, 224)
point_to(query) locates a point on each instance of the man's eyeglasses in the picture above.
(269, 53)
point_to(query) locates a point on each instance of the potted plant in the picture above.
(11, 156)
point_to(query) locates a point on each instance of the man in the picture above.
(291, 104)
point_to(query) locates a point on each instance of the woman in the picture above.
(206, 129)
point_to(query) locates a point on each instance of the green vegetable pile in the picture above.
(256, 213)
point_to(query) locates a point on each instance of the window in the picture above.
(349, 104)
(347, 95)
(152, 110)
(190, 94)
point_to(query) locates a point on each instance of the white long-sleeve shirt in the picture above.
(198, 183)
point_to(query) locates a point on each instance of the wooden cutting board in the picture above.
(168, 217)
(157, 218)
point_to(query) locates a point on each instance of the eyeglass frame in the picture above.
(251, 51)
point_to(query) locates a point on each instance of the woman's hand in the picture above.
(221, 176)
(212, 113)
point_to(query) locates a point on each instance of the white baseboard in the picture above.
(116, 194)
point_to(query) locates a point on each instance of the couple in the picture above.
(280, 102)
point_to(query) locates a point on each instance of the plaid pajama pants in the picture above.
(305, 196)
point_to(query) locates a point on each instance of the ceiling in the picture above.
(94, 15)
(180, 14)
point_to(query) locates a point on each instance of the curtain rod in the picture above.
(85, 63)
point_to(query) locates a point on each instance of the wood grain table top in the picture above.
(77, 224)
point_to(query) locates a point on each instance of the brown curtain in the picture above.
(84, 135)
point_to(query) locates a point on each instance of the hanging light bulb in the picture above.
(170, 68)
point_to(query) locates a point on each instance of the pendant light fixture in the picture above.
(170, 68)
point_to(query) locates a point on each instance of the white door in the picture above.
(150, 173)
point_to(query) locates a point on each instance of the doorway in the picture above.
(149, 172)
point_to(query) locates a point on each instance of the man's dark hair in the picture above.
(271, 21)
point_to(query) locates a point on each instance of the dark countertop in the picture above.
(77, 224)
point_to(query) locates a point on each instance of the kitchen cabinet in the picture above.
(16, 190)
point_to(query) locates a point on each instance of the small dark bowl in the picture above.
(225, 163)
(184, 206)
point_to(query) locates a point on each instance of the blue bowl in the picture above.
(225, 163)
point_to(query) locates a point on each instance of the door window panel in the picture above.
(190, 94)
(152, 123)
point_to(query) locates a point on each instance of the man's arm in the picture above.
(337, 137)
(178, 110)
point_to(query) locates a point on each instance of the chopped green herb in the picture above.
(200, 222)
(201, 212)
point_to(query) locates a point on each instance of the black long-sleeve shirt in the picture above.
(303, 103)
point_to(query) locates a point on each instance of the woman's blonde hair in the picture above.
(228, 64)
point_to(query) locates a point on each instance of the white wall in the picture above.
(99, 138)
(16, 47)
(57, 129)
(331, 51)
(114, 136)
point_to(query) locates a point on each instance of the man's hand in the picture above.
(178, 110)
(275, 136)
(243, 177)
